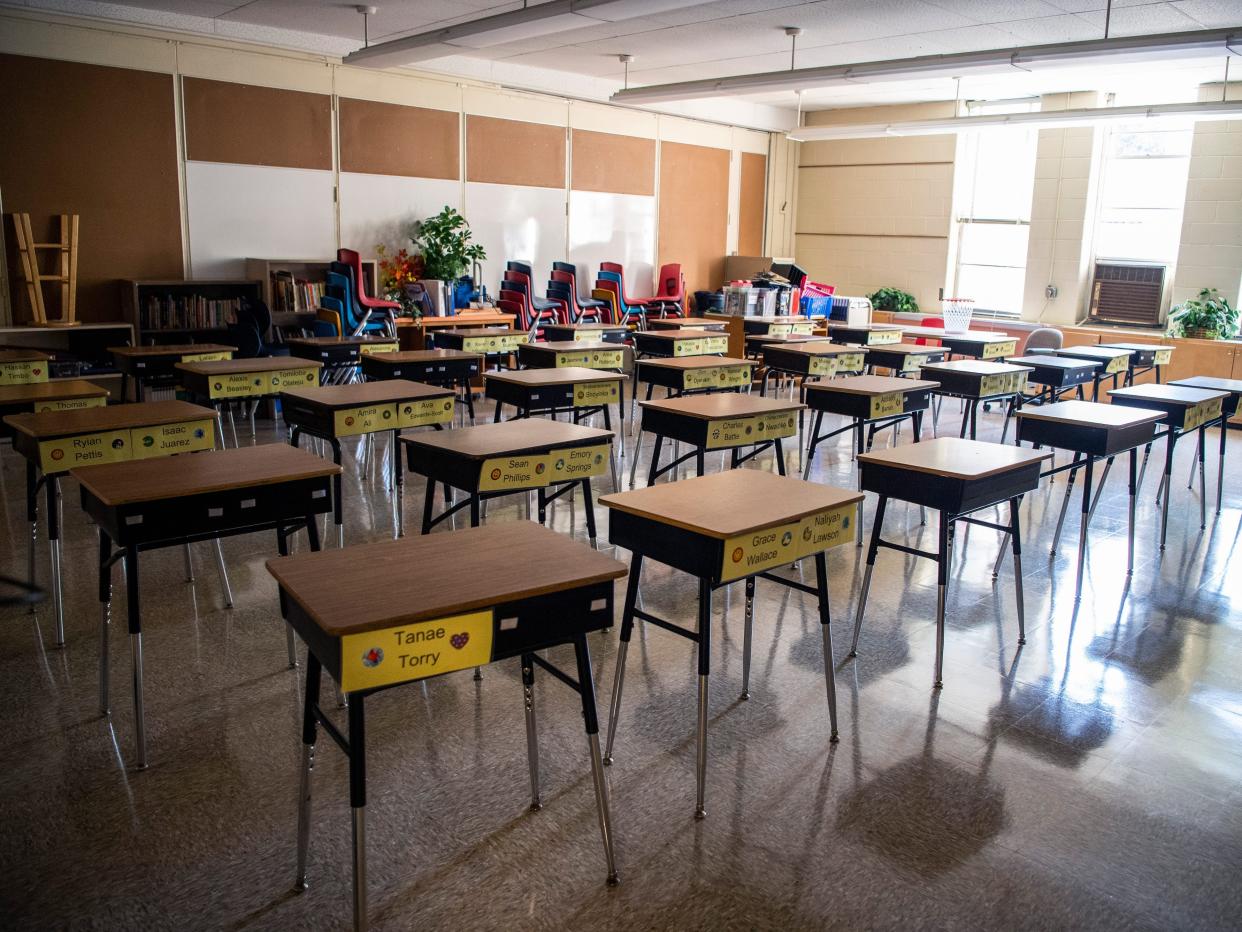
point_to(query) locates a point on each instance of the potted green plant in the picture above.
(1206, 317)
(895, 300)
(445, 244)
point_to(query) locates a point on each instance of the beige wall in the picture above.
(876, 212)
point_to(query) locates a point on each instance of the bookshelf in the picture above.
(184, 311)
(292, 286)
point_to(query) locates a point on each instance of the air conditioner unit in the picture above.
(1127, 293)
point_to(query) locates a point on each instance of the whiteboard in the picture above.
(379, 209)
(257, 211)
(613, 228)
(514, 222)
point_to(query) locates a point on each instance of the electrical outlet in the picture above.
(1050, 292)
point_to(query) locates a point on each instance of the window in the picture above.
(994, 219)
(1142, 191)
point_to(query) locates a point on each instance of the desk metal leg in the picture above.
(590, 512)
(627, 629)
(53, 533)
(1167, 485)
(358, 805)
(224, 574)
(780, 456)
(830, 672)
(32, 516)
(105, 619)
(810, 445)
(1069, 489)
(655, 459)
(1016, 542)
(1099, 489)
(189, 564)
(135, 647)
(747, 636)
(337, 509)
(1202, 477)
(942, 586)
(705, 641)
(1133, 502)
(586, 688)
(872, 551)
(309, 702)
(1220, 475)
(398, 480)
(532, 730)
(1082, 528)
(638, 452)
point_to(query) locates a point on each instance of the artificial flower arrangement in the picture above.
(396, 272)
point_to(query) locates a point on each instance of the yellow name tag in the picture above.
(514, 472)
(424, 412)
(575, 358)
(414, 652)
(738, 431)
(883, 337)
(71, 404)
(587, 335)
(257, 384)
(1117, 364)
(1003, 384)
(997, 350)
(1202, 413)
(370, 348)
(206, 357)
(1163, 356)
(802, 328)
(605, 359)
(821, 365)
(354, 421)
(913, 362)
(23, 373)
(850, 362)
(578, 463)
(589, 394)
(888, 404)
(773, 547)
(110, 446)
(494, 343)
(167, 439)
(715, 345)
(780, 330)
(688, 347)
(716, 377)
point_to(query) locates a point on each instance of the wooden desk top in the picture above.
(524, 435)
(128, 483)
(567, 375)
(1056, 362)
(975, 367)
(115, 417)
(570, 346)
(263, 364)
(956, 459)
(358, 394)
(340, 341)
(22, 355)
(1091, 414)
(1093, 352)
(50, 391)
(694, 362)
(727, 504)
(1233, 386)
(722, 404)
(466, 319)
(395, 582)
(424, 355)
(475, 331)
(1167, 394)
(687, 334)
(871, 385)
(1139, 347)
(171, 349)
(818, 346)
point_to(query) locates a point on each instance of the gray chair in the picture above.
(1043, 341)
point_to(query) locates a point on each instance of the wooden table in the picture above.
(754, 343)
(1093, 432)
(812, 359)
(493, 460)
(957, 478)
(577, 353)
(60, 395)
(975, 344)
(869, 401)
(1185, 410)
(778, 326)
(23, 367)
(1144, 358)
(685, 323)
(54, 441)
(904, 358)
(490, 342)
(332, 412)
(379, 615)
(975, 381)
(866, 335)
(448, 368)
(688, 374)
(155, 366)
(143, 505)
(221, 382)
(414, 333)
(680, 343)
(1229, 408)
(723, 528)
(1055, 374)
(1113, 363)
(719, 421)
(580, 393)
(590, 333)
(339, 356)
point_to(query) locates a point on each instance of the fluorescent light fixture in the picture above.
(1051, 119)
(1203, 43)
(532, 22)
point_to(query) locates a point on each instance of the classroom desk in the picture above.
(155, 366)
(957, 478)
(742, 524)
(577, 353)
(222, 381)
(1092, 432)
(685, 323)
(680, 343)
(694, 374)
(489, 341)
(144, 505)
(590, 333)
(1113, 362)
(1185, 410)
(865, 335)
(1144, 358)
(54, 441)
(1229, 408)
(493, 460)
(574, 391)
(444, 367)
(718, 421)
(787, 325)
(419, 333)
(331, 412)
(975, 344)
(755, 344)
(812, 359)
(903, 359)
(872, 402)
(61, 395)
(1055, 374)
(379, 615)
(340, 356)
(975, 381)
(23, 367)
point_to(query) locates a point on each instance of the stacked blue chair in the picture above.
(635, 314)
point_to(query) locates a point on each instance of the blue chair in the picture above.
(628, 312)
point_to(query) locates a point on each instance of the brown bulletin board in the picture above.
(612, 164)
(750, 209)
(250, 125)
(694, 211)
(512, 152)
(101, 143)
(391, 139)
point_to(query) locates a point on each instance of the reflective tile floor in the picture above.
(1091, 779)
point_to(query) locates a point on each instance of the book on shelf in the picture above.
(187, 312)
(290, 295)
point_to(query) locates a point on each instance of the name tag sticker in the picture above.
(821, 365)
(1117, 364)
(716, 377)
(913, 362)
(888, 404)
(578, 463)
(23, 373)
(167, 439)
(997, 350)
(71, 404)
(1003, 384)
(354, 421)
(778, 546)
(1202, 413)
(691, 347)
(514, 472)
(850, 362)
(590, 394)
(715, 344)
(883, 337)
(65, 453)
(415, 651)
(576, 358)
(206, 357)
(371, 348)
(1163, 356)
(739, 431)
